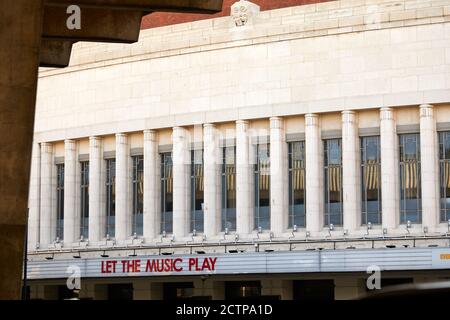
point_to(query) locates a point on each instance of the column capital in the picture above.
(311, 119)
(46, 147)
(386, 113)
(181, 129)
(95, 142)
(121, 138)
(276, 123)
(242, 122)
(178, 132)
(70, 145)
(348, 116)
(241, 125)
(209, 129)
(426, 111)
(149, 135)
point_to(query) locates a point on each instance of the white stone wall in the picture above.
(312, 58)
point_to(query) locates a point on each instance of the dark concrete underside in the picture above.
(34, 33)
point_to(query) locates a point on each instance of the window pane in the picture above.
(296, 178)
(84, 223)
(166, 193)
(262, 186)
(410, 192)
(110, 197)
(444, 165)
(197, 190)
(371, 180)
(138, 195)
(229, 188)
(333, 181)
(60, 201)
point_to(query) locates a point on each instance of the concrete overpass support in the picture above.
(21, 23)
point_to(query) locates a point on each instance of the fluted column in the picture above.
(351, 183)
(96, 211)
(47, 232)
(123, 182)
(151, 195)
(244, 199)
(314, 174)
(212, 183)
(429, 167)
(71, 223)
(181, 186)
(389, 169)
(279, 201)
(34, 198)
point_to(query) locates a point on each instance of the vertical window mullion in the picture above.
(166, 163)
(296, 171)
(60, 201)
(333, 181)
(84, 199)
(444, 164)
(410, 176)
(371, 166)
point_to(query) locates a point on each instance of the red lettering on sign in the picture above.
(109, 266)
(137, 266)
(213, 263)
(177, 269)
(131, 266)
(205, 264)
(168, 265)
(160, 265)
(163, 265)
(155, 265)
(150, 266)
(192, 263)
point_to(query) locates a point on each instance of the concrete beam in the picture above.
(55, 53)
(185, 6)
(19, 59)
(100, 25)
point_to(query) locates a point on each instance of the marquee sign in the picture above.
(355, 260)
(158, 265)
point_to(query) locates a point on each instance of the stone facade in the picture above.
(335, 70)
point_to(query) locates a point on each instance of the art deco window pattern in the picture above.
(410, 180)
(197, 190)
(84, 223)
(296, 158)
(262, 186)
(444, 163)
(138, 195)
(166, 192)
(371, 180)
(110, 197)
(60, 201)
(229, 188)
(333, 181)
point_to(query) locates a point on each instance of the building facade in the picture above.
(277, 153)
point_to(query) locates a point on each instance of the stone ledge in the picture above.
(251, 112)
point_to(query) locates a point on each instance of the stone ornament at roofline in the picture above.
(242, 12)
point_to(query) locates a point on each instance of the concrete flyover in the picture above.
(33, 34)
